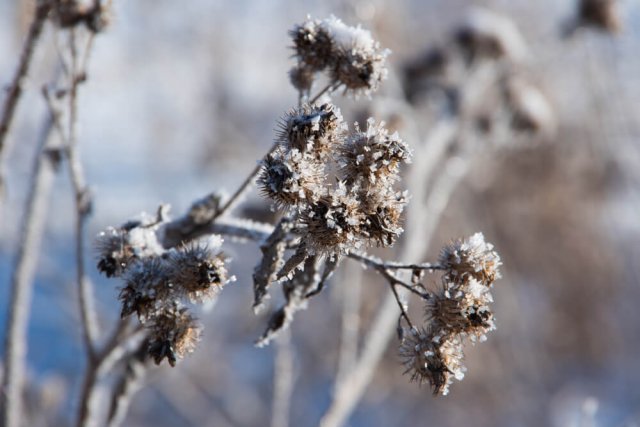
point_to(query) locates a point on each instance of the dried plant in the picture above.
(339, 192)
(338, 189)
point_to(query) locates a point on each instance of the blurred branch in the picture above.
(14, 90)
(121, 343)
(128, 384)
(35, 214)
(82, 200)
(350, 299)
(283, 379)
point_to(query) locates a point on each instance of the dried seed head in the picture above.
(197, 272)
(114, 251)
(147, 289)
(470, 258)
(313, 45)
(291, 178)
(432, 359)
(360, 61)
(174, 333)
(372, 158)
(488, 35)
(350, 55)
(312, 129)
(601, 14)
(461, 310)
(383, 211)
(333, 222)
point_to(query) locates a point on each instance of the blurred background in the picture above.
(182, 99)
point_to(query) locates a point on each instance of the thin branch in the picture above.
(15, 88)
(35, 214)
(82, 203)
(283, 378)
(244, 187)
(351, 301)
(121, 344)
(392, 265)
(130, 381)
(402, 306)
(328, 88)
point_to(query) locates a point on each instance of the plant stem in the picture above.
(35, 215)
(14, 91)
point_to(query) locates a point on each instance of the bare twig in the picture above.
(15, 88)
(82, 202)
(328, 88)
(283, 379)
(350, 299)
(35, 214)
(392, 265)
(128, 384)
(118, 346)
(244, 187)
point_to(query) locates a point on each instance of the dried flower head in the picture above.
(461, 309)
(360, 61)
(114, 251)
(432, 359)
(488, 35)
(383, 209)
(195, 271)
(147, 289)
(174, 333)
(313, 45)
(312, 129)
(470, 258)
(350, 55)
(333, 222)
(291, 178)
(372, 157)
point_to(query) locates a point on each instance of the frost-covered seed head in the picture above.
(312, 129)
(350, 55)
(333, 223)
(383, 211)
(461, 309)
(291, 178)
(360, 61)
(470, 258)
(146, 289)
(372, 157)
(173, 334)
(432, 359)
(313, 45)
(114, 251)
(195, 271)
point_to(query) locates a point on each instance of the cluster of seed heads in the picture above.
(339, 186)
(458, 311)
(348, 55)
(159, 284)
